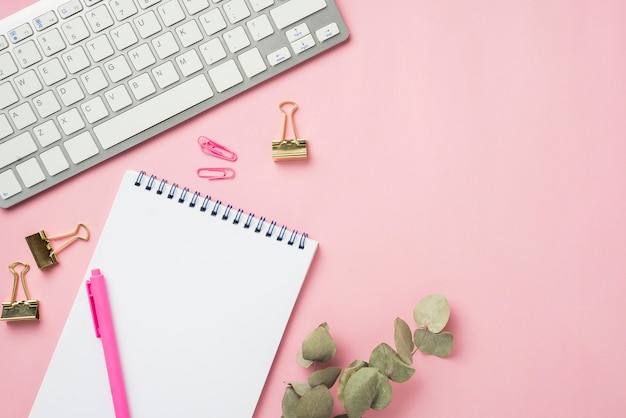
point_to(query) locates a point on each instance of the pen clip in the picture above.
(92, 305)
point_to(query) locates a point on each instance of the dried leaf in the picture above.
(302, 362)
(319, 345)
(316, 403)
(432, 313)
(367, 388)
(346, 375)
(326, 377)
(404, 340)
(390, 364)
(300, 387)
(439, 345)
(290, 401)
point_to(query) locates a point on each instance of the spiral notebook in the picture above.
(201, 294)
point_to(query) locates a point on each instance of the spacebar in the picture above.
(153, 111)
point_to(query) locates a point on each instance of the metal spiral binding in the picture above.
(216, 208)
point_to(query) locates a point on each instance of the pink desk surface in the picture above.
(475, 149)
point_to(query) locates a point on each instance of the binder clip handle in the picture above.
(21, 276)
(289, 116)
(75, 237)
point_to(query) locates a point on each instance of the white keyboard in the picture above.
(83, 80)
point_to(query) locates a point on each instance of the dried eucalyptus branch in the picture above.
(366, 385)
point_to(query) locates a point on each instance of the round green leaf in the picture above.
(290, 401)
(432, 313)
(390, 364)
(366, 388)
(403, 339)
(316, 403)
(319, 345)
(439, 345)
(346, 375)
(326, 377)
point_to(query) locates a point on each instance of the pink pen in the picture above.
(103, 323)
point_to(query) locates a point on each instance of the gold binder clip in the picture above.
(42, 250)
(19, 310)
(289, 149)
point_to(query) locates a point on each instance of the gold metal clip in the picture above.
(289, 149)
(19, 310)
(42, 250)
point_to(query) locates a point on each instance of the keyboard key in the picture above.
(118, 68)
(260, 27)
(123, 9)
(70, 92)
(81, 147)
(123, 36)
(30, 172)
(54, 161)
(46, 133)
(153, 111)
(212, 22)
(327, 32)
(147, 24)
(75, 30)
(225, 75)
(297, 32)
(99, 48)
(236, 39)
(51, 42)
(171, 13)
(22, 116)
(45, 20)
(165, 45)
(51, 72)
(7, 96)
(295, 10)
(27, 54)
(3, 43)
(71, 121)
(195, 6)
(165, 74)
(94, 80)
(141, 57)
(236, 10)
(69, 8)
(16, 148)
(258, 5)
(90, 3)
(27, 83)
(212, 51)
(303, 44)
(118, 98)
(279, 56)
(189, 63)
(99, 18)
(7, 66)
(20, 33)
(141, 86)
(94, 110)
(5, 127)
(144, 4)
(46, 104)
(76, 60)
(9, 186)
(189, 33)
(252, 62)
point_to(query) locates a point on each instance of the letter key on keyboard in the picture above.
(83, 80)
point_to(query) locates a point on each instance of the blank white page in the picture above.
(199, 304)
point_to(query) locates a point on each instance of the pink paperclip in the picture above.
(217, 150)
(216, 173)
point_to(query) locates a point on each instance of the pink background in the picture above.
(475, 149)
